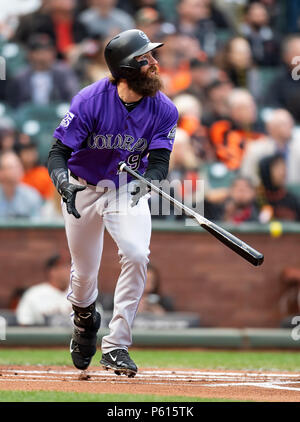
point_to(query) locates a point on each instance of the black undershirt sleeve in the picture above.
(58, 156)
(158, 164)
(58, 165)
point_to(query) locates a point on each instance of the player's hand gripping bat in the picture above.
(237, 245)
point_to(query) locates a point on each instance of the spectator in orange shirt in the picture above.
(230, 137)
(174, 62)
(35, 175)
(190, 111)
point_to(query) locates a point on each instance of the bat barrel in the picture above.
(234, 243)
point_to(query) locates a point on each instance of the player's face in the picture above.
(149, 64)
(147, 82)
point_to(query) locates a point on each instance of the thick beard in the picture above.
(146, 84)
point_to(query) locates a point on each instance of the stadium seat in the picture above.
(223, 35)
(218, 176)
(39, 122)
(6, 116)
(266, 75)
(5, 110)
(15, 57)
(294, 188)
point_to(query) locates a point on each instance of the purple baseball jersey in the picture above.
(102, 132)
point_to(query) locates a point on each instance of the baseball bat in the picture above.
(234, 243)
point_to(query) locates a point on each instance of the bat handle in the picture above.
(121, 166)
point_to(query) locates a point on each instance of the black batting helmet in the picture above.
(121, 51)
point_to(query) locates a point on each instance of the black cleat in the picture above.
(120, 361)
(83, 344)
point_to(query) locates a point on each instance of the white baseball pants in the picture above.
(130, 228)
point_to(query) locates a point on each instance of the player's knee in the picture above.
(138, 257)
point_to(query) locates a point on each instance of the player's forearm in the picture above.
(158, 166)
(58, 170)
(58, 164)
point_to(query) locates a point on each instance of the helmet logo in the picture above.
(144, 36)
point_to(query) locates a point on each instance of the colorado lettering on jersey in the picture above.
(125, 142)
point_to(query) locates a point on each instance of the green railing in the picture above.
(232, 338)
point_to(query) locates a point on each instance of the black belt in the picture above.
(77, 178)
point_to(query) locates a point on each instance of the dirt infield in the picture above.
(239, 385)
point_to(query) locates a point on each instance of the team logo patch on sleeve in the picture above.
(172, 133)
(67, 119)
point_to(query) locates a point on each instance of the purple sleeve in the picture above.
(77, 124)
(165, 131)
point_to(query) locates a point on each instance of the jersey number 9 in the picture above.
(134, 161)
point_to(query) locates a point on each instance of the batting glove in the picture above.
(68, 193)
(139, 190)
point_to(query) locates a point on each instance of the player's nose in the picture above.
(153, 60)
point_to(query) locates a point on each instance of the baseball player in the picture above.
(121, 118)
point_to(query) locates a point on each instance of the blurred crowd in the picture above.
(44, 303)
(231, 67)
